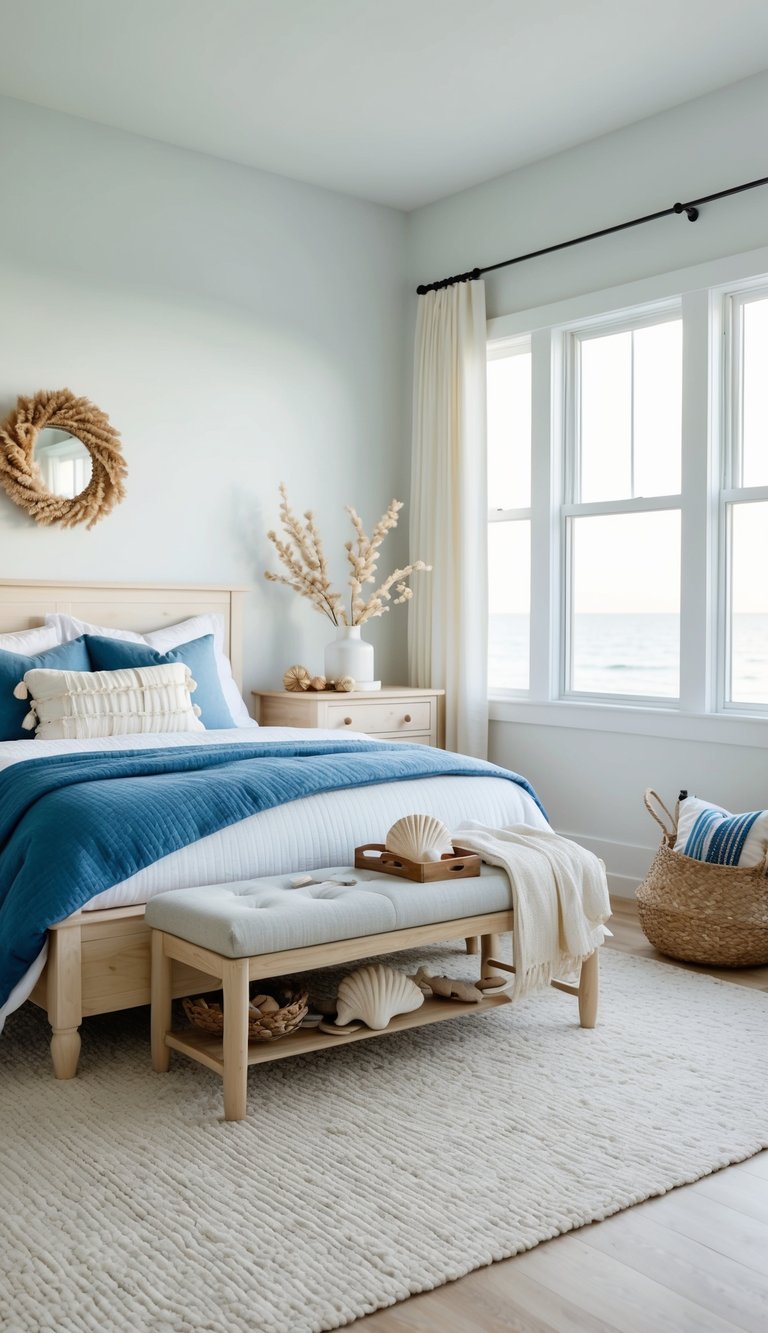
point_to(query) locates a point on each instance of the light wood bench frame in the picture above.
(231, 1055)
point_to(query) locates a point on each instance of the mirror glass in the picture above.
(63, 462)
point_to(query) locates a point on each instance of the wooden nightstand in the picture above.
(389, 714)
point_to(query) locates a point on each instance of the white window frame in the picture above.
(572, 508)
(732, 491)
(703, 293)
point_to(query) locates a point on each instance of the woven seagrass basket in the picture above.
(261, 1027)
(702, 913)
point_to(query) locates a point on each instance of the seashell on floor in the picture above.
(374, 994)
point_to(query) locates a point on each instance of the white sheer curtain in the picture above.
(448, 617)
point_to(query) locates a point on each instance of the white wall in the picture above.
(592, 782)
(239, 329)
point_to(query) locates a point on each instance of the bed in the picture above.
(98, 957)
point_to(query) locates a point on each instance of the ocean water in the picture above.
(630, 654)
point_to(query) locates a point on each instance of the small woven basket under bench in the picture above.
(702, 913)
(261, 1027)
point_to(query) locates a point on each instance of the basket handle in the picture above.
(651, 795)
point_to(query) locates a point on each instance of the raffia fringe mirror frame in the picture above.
(21, 476)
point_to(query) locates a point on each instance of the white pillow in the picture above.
(163, 640)
(30, 642)
(75, 705)
(708, 833)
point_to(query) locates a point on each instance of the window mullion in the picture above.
(699, 507)
(507, 515)
(545, 450)
(735, 450)
(571, 429)
(632, 488)
(745, 494)
(643, 504)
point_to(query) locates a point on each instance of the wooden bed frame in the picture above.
(99, 962)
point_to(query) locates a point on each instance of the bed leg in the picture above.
(490, 946)
(471, 943)
(64, 997)
(235, 986)
(162, 968)
(589, 987)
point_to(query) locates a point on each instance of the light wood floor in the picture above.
(694, 1261)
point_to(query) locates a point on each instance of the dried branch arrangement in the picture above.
(302, 554)
(21, 477)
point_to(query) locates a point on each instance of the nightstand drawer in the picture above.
(390, 713)
(395, 717)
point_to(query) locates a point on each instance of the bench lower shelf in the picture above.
(208, 1050)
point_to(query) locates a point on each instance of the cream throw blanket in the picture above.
(560, 898)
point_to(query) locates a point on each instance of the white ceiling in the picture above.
(397, 101)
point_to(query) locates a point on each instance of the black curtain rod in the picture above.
(691, 210)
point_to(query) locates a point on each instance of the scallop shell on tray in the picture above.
(374, 994)
(419, 838)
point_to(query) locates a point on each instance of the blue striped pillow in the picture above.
(706, 832)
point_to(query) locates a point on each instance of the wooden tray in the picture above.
(374, 856)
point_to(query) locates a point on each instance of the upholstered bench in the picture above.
(238, 933)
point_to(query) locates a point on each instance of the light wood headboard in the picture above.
(137, 606)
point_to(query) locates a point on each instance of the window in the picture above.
(744, 504)
(621, 519)
(641, 520)
(509, 529)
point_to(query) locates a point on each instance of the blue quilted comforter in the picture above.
(73, 825)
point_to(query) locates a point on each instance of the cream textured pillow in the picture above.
(75, 705)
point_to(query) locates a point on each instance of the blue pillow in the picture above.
(198, 655)
(72, 656)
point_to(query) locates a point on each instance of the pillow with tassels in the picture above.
(77, 705)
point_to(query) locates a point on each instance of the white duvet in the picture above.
(316, 831)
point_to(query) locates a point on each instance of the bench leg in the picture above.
(235, 985)
(589, 987)
(162, 967)
(471, 943)
(489, 948)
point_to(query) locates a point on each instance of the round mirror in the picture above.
(63, 462)
(60, 459)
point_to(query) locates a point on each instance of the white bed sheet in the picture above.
(317, 831)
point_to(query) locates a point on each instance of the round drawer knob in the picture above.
(347, 721)
(407, 718)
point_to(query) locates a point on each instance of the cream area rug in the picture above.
(365, 1174)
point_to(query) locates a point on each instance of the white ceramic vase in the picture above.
(350, 655)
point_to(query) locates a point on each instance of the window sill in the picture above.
(720, 728)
